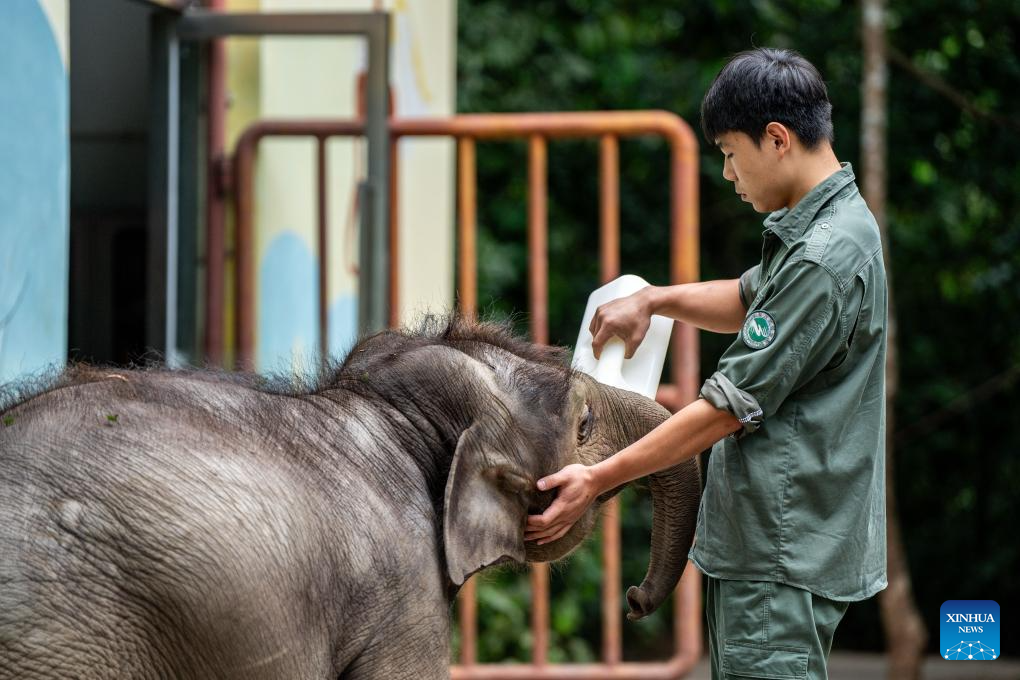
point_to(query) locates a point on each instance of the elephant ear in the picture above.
(483, 521)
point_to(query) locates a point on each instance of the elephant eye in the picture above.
(584, 427)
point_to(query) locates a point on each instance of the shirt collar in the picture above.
(789, 224)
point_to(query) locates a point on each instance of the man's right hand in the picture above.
(627, 318)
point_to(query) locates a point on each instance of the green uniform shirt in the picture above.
(798, 495)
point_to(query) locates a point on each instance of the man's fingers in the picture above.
(546, 524)
(552, 533)
(550, 482)
(634, 341)
(600, 339)
(546, 519)
(562, 532)
(538, 523)
(556, 536)
(552, 513)
(543, 534)
(532, 533)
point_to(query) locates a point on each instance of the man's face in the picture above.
(754, 170)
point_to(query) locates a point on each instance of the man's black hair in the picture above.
(764, 85)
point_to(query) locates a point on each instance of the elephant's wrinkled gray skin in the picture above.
(159, 524)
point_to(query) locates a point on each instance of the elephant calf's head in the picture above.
(528, 415)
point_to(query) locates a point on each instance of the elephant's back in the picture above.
(136, 516)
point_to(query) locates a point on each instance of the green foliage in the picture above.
(954, 242)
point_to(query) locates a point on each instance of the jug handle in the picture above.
(609, 370)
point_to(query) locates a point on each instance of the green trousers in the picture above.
(762, 629)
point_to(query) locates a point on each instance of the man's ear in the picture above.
(483, 519)
(777, 136)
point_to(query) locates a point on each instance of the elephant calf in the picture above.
(197, 524)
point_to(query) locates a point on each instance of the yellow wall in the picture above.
(301, 77)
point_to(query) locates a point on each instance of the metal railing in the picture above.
(537, 129)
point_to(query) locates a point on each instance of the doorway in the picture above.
(109, 126)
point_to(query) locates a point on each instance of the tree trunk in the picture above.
(905, 632)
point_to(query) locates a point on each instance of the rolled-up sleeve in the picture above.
(725, 396)
(799, 330)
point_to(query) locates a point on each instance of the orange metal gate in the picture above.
(537, 128)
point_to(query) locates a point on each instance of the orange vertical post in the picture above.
(684, 269)
(609, 257)
(467, 228)
(538, 296)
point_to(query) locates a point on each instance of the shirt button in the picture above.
(824, 225)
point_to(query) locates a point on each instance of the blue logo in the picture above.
(969, 630)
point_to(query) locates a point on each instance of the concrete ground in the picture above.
(858, 666)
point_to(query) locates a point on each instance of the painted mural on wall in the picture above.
(288, 310)
(33, 187)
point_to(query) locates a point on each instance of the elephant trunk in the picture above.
(676, 494)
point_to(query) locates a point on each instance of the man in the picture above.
(792, 521)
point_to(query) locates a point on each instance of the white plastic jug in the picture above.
(640, 373)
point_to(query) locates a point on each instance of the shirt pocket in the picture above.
(742, 660)
(855, 309)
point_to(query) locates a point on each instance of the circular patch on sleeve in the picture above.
(759, 330)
